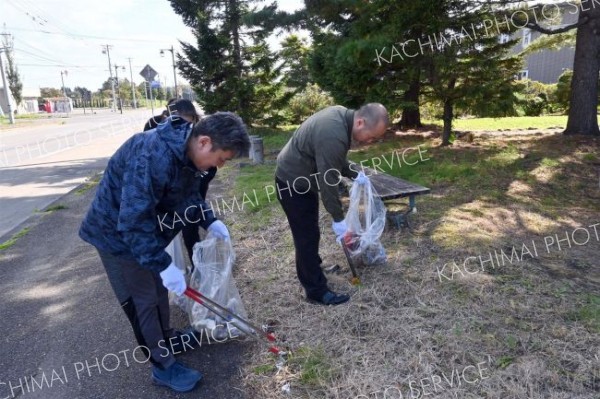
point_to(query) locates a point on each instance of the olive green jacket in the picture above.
(315, 156)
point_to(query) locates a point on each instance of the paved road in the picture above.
(44, 159)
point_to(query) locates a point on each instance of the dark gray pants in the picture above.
(145, 301)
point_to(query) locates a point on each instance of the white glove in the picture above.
(173, 280)
(361, 178)
(339, 229)
(219, 229)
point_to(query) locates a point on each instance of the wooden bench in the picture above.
(390, 188)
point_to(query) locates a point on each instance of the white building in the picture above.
(29, 103)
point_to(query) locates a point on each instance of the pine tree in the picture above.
(294, 54)
(392, 52)
(231, 66)
(12, 72)
(467, 64)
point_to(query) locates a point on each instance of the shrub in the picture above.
(560, 97)
(307, 102)
(534, 98)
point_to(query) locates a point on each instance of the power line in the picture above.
(40, 56)
(64, 66)
(38, 50)
(36, 19)
(58, 22)
(86, 36)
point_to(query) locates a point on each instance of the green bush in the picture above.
(307, 102)
(561, 96)
(534, 98)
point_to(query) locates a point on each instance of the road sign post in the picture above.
(148, 73)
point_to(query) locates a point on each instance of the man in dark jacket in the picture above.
(149, 191)
(312, 162)
(185, 109)
(156, 120)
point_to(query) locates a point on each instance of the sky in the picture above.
(51, 36)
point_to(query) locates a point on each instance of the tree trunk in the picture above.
(234, 21)
(234, 25)
(411, 116)
(448, 116)
(583, 118)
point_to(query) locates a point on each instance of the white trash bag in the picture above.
(365, 220)
(212, 276)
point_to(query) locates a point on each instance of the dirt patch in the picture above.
(501, 323)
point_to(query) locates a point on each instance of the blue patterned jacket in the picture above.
(150, 190)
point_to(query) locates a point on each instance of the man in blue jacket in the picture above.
(185, 109)
(151, 190)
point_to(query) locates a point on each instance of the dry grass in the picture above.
(534, 325)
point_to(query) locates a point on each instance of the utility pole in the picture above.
(167, 90)
(106, 50)
(11, 115)
(151, 97)
(118, 89)
(162, 52)
(63, 81)
(132, 84)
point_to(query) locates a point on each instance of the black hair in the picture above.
(373, 114)
(226, 131)
(183, 108)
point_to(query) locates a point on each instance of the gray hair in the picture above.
(373, 114)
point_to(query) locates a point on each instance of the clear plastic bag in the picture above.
(176, 250)
(212, 276)
(365, 220)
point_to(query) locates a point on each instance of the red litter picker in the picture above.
(244, 325)
(350, 243)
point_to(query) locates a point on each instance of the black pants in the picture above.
(302, 211)
(145, 301)
(190, 231)
(191, 236)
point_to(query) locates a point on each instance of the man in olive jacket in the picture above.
(151, 190)
(313, 161)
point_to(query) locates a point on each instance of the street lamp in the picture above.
(65, 72)
(162, 53)
(117, 81)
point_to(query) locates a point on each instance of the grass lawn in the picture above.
(460, 298)
(4, 120)
(512, 123)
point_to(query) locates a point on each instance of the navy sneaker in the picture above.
(330, 298)
(177, 377)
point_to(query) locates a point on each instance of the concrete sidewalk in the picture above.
(62, 325)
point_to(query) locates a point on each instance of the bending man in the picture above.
(149, 191)
(311, 162)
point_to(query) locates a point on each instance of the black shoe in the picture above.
(331, 298)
